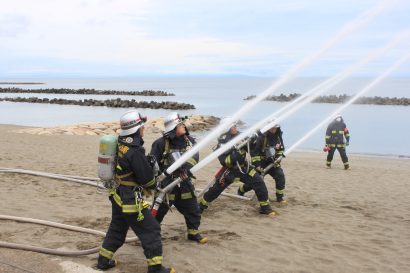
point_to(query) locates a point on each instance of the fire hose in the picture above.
(77, 179)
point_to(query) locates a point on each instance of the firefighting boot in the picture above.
(203, 205)
(280, 200)
(267, 209)
(160, 269)
(105, 263)
(197, 238)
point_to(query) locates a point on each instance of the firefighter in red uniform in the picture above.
(133, 175)
(335, 134)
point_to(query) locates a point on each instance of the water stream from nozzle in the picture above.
(349, 28)
(395, 66)
(299, 103)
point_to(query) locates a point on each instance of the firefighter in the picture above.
(133, 175)
(269, 149)
(236, 168)
(336, 134)
(167, 149)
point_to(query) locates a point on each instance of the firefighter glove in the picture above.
(237, 157)
(185, 174)
(259, 169)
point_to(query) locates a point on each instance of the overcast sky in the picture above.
(93, 38)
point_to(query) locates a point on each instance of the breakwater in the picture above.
(85, 91)
(341, 99)
(116, 103)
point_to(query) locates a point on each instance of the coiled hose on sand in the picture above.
(91, 181)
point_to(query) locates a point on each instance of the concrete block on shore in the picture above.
(194, 123)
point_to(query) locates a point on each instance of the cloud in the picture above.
(12, 25)
(202, 37)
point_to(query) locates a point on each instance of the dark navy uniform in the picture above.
(335, 134)
(133, 173)
(230, 160)
(267, 148)
(182, 196)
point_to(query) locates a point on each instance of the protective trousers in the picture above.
(278, 175)
(184, 200)
(342, 152)
(251, 179)
(148, 231)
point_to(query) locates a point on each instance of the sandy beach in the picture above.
(336, 220)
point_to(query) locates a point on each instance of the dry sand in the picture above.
(336, 220)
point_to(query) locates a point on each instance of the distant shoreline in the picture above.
(86, 91)
(17, 83)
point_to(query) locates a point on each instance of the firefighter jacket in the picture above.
(335, 134)
(133, 172)
(162, 149)
(230, 158)
(132, 167)
(267, 147)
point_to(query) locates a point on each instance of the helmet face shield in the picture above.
(181, 118)
(143, 118)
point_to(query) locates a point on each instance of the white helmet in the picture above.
(274, 124)
(171, 121)
(338, 117)
(229, 122)
(130, 122)
(270, 124)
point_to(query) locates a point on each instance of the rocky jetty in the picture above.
(194, 123)
(341, 99)
(84, 91)
(280, 98)
(116, 103)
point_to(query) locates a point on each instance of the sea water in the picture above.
(374, 129)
